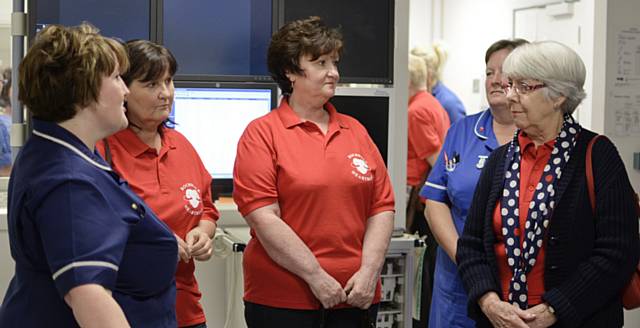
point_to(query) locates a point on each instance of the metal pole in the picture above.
(18, 33)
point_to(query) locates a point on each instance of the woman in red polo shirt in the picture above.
(314, 189)
(533, 254)
(163, 168)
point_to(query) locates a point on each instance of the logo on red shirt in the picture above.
(360, 168)
(192, 198)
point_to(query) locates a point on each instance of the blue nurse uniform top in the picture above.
(452, 181)
(451, 103)
(5, 145)
(73, 221)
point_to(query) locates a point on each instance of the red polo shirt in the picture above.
(428, 125)
(531, 168)
(177, 187)
(326, 186)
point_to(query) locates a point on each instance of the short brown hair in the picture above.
(503, 44)
(298, 38)
(63, 69)
(148, 61)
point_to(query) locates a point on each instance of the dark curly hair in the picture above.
(298, 38)
(63, 70)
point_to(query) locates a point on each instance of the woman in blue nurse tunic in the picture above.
(88, 252)
(452, 181)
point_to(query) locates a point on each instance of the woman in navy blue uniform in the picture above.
(88, 251)
(449, 188)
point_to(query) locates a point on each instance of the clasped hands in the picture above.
(197, 245)
(503, 314)
(358, 292)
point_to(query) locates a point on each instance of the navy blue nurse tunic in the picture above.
(452, 181)
(73, 221)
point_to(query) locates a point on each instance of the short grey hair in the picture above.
(553, 63)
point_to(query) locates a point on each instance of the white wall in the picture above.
(6, 8)
(420, 23)
(469, 27)
(619, 14)
(575, 29)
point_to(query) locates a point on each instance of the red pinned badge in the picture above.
(548, 178)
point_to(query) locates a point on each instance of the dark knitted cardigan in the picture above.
(588, 259)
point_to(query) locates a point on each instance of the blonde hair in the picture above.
(434, 58)
(417, 72)
(63, 70)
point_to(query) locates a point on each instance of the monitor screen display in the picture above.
(213, 116)
(370, 111)
(124, 19)
(367, 30)
(218, 39)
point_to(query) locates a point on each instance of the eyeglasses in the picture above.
(521, 88)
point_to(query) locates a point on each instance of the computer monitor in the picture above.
(367, 28)
(213, 116)
(218, 40)
(124, 19)
(372, 111)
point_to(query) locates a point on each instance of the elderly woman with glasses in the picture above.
(449, 188)
(533, 253)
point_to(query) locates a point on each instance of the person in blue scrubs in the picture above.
(451, 103)
(5, 151)
(5, 124)
(450, 186)
(88, 252)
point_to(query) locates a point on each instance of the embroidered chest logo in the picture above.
(482, 159)
(359, 167)
(450, 162)
(193, 200)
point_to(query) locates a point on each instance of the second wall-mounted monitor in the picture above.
(371, 108)
(367, 27)
(225, 40)
(214, 115)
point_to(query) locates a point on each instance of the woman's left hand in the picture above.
(200, 244)
(544, 316)
(361, 288)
